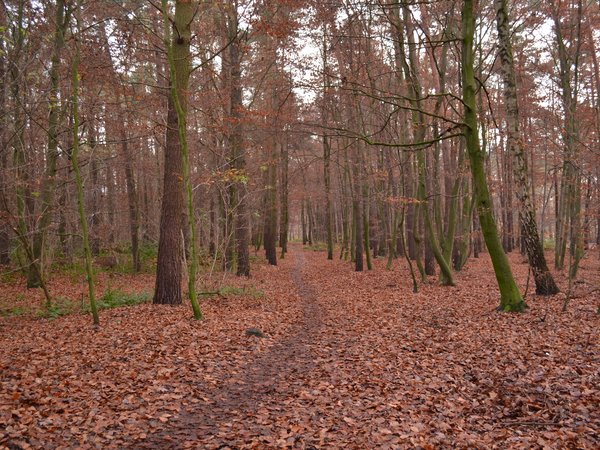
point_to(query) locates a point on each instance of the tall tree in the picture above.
(61, 21)
(177, 171)
(238, 191)
(510, 297)
(83, 222)
(568, 214)
(544, 282)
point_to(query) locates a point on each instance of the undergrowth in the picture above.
(227, 290)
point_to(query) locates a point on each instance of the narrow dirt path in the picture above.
(365, 363)
(272, 378)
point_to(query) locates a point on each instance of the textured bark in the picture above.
(510, 297)
(170, 250)
(168, 270)
(544, 282)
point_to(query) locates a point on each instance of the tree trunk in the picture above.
(237, 150)
(49, 183)
(357, 209)
(169, 262)
(177, 42)
(80, 188)
(326, 150)
(284, 195)
(544, 283)
(95, 191)
(568, 214)
(270, 232)
(510, 297)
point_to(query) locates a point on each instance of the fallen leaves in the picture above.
(351, 360)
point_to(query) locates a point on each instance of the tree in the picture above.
(49, 184)
(510, 297)
(177, 170)
(79, 181)
(544, 282)
(238, 191)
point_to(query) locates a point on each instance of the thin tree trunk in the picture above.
(80, 189)
(357, 208)
(510, 297)
(49, 183)
(284, 195)
(544, 282)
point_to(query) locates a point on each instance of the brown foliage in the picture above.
(350, 360)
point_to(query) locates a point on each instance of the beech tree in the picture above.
(544, 282)
(510, 297)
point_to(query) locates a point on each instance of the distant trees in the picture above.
(359, 125)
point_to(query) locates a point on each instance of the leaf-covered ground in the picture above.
(350, 360)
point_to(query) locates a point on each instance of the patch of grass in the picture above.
(13, 311)
(74, 269)
(148, 251)
(227, 290)
(549, 244)
(114, 298)
(317, 247)
(60, 307)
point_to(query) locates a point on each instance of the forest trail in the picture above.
(368, 364)
(351, 360)
(262, 382)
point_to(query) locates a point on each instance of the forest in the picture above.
(264, 224)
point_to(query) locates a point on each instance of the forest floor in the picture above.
(349, 360)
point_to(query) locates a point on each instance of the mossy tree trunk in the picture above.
(510, 297)
(83, 223)
(177, 42)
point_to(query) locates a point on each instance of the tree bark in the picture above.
(169, 262)
(237, 151)
(544, 282)
(510, 297)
